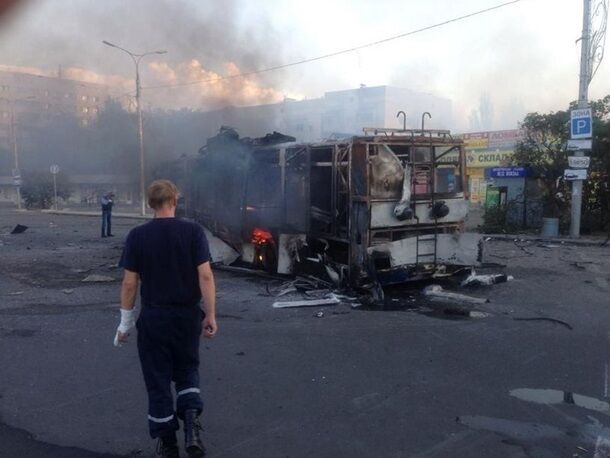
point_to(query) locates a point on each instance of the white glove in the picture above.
(128, 321)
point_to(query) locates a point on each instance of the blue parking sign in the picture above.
(580, 123)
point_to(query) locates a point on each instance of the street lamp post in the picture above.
(136, 60)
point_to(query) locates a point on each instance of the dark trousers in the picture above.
(106, 223)
(168, 346)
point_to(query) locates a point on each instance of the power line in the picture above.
(336, 53)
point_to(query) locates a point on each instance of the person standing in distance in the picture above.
(171, 259)
(107, 203)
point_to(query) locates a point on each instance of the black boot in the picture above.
(192, 441)
(167, 447)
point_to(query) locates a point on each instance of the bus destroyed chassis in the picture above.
(392, 263)
(380, 209)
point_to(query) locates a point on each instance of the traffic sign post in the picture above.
(581, 131)
(581, 125)
(579, 162)
(578, 145)
(54, 171)
(17, 177)
(575, 174)
(17, 182)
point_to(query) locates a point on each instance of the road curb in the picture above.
(534, 238)
(96, 214)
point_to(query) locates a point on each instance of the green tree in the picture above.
(37, 190)
(543, 151)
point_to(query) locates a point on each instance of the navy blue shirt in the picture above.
(166, 253)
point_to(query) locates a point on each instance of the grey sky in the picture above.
(523, 56)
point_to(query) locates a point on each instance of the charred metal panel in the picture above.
(387, 173)
(451, 249)
(289, 246)
(264, 199)
(359, 168)
(224, 165)
(358, 242)
(296, 189)
(382, 214)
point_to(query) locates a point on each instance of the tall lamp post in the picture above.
(136, 60)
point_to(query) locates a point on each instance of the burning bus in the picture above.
(383, 208)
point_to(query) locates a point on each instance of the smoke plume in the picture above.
(204, 40)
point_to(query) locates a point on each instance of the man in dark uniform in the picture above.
(170, 257)
(107, 203)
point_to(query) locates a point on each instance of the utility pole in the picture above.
(583, 102)
(136, 60)
(140, 141)
(14, 146)
(16, 172)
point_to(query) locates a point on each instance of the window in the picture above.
(83, 98)
(447, 177)
(85, 110)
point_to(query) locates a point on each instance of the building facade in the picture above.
(337, 113)
(488, 156)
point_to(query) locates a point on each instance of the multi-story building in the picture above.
(27, 101)
(31, 97)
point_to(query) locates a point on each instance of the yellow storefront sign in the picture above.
(486, 158)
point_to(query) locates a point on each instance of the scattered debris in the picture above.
(330, 300)
(67, 291)
(19, 229)
(548, 245)
(319, 314)
(81, 271)
(16, 293)
(476, 314)
(436, 292)
(544, 318)
(240, 353)
(95, 278)
(477, 280)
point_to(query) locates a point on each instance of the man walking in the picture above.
(107, 203)
(170, 257)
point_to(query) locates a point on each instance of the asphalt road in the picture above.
(410, 381)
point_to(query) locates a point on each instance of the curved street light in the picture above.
(136, 60)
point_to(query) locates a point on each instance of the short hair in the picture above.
(161, 192)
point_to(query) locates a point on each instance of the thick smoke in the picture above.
(203, 42)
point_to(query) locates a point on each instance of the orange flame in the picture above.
(261, 237)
